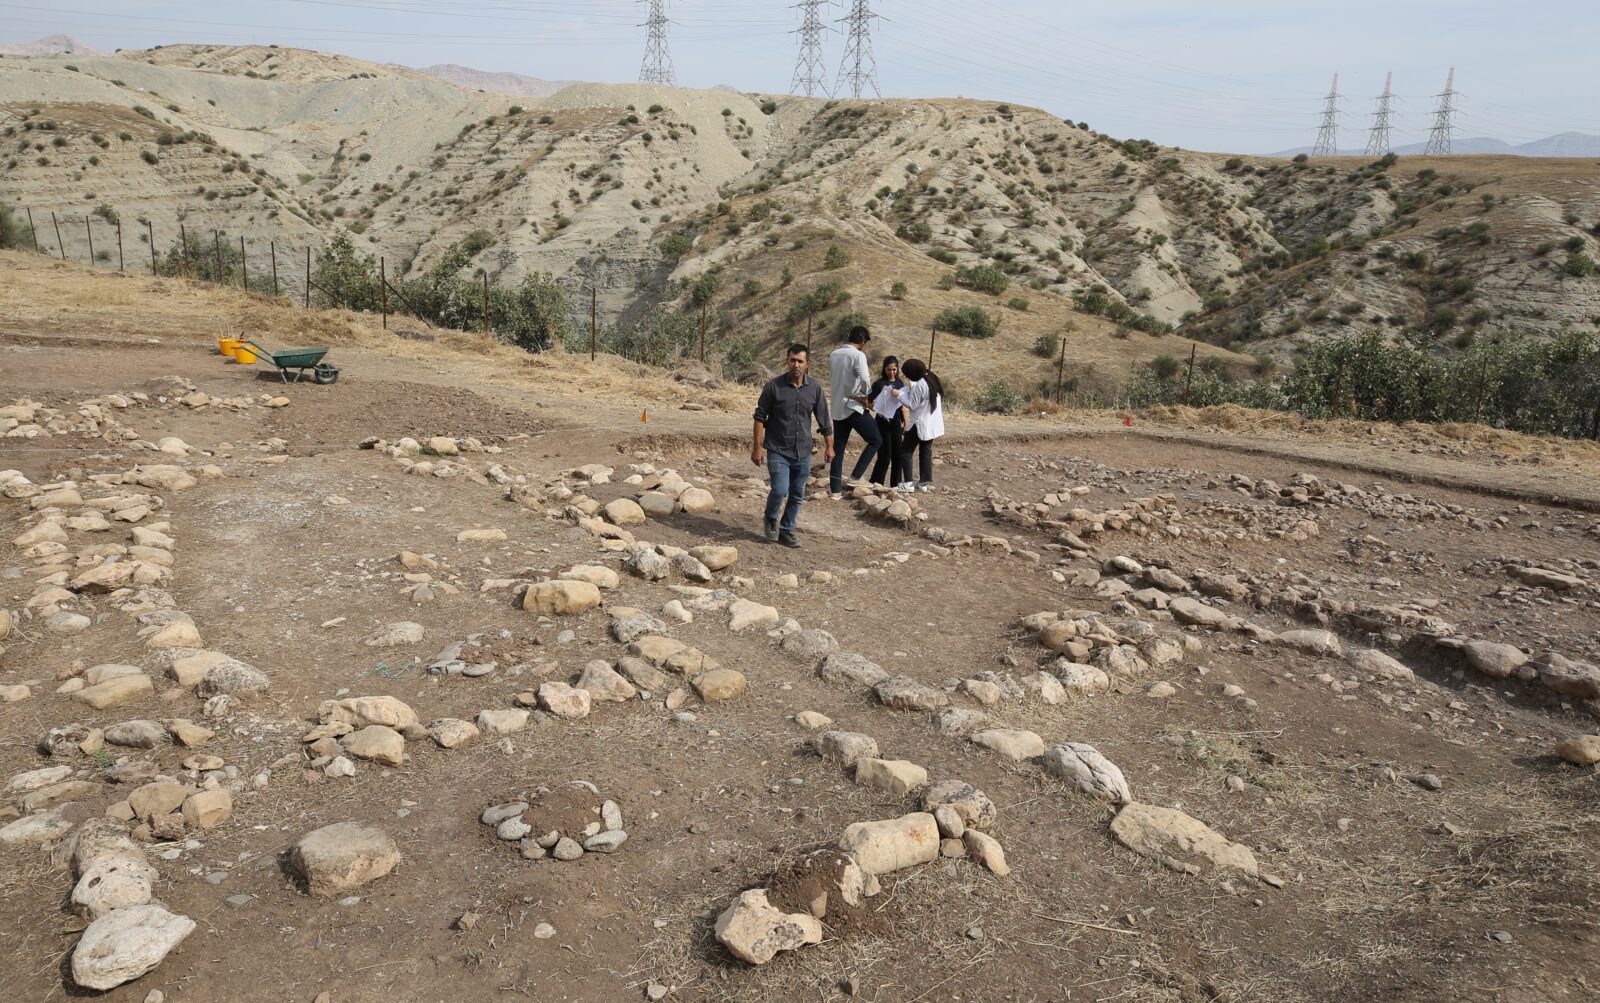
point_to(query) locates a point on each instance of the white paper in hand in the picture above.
(886, 405)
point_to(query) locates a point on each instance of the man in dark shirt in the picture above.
(782, 440)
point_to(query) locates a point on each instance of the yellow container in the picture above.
(227, 345)
(243, 355)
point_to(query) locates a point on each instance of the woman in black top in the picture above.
(889, 429)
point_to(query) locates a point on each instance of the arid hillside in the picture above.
(1042, 224)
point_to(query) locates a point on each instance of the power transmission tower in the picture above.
(1443, 119)
(809, 73)
(657, 66)
(1378, 138)
(859, 68)
(1327, 144)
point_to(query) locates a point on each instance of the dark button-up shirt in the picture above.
(787, 411)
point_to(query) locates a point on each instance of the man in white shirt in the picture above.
(849, 380)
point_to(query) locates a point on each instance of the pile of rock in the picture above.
(373, 728)
(561, 824)
(95, 416)
(129, 934)
(1089, 651)
(1309, 491)
(1140, 516)
(880, 501)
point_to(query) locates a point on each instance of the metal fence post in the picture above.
(33, 230)
(88, 233)
(150, 231)
(594, 314)
(272, 245)
(121, 262)
(61, 248)
(244, 267)
(1061, 367)
(383, 290)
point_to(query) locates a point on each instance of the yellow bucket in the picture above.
(227, 345)
(243, 355)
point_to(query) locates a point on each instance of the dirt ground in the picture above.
(1483, 890)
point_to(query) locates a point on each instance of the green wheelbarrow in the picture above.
(301, 360)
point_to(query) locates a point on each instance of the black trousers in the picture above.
(889, 455)
(923, 448)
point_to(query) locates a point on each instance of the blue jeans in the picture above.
(867, 428)
(789, 478)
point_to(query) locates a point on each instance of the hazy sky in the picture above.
(1245, 75)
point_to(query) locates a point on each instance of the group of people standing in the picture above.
(897, 416)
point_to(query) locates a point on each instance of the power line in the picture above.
(810, 76)
(1443, 126)
(657, 66)
(1378, 138)
(859, 68)
(1327, 144)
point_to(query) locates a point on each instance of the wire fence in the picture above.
(533, 313)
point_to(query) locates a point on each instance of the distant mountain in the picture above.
(1567, 144)
(51, 45)
(514, 84)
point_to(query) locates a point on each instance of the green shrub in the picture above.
(1579, 265)
(477, 241)
(967, 322)
(898, 291)
(704, 289)
(917, 232)
(1165, 367)
(10, 230)
(1046, 345)
(837, 257)
(849, 321)
(140, 109)
(1019, 303)
(998, 397)
(769, 106)
(741, 355)
(817, 300)
(676, 245)
(149, 157)
(983, 278)
(751, 288)
(942, 255)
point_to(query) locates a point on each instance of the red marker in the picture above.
(1127, 422)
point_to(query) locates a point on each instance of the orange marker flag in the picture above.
(1127, 422)
(644, 417)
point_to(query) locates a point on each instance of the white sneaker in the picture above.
(836, 496)
(905, 487)
(924, 486)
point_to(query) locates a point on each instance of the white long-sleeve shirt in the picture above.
(847, 379)
(928, 422)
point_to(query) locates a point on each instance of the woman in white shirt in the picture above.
(924, 422)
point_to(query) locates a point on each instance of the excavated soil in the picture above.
(1479, 891)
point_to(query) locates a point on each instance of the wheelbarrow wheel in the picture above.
(326, 375)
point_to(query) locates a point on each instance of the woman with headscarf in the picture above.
(922, 422)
